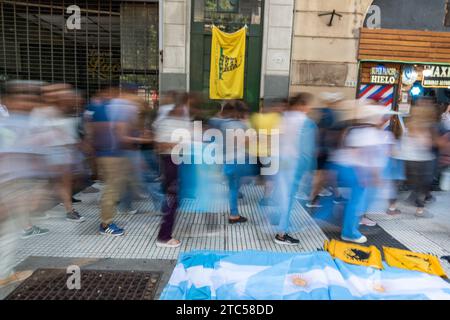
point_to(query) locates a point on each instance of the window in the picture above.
(232, 13)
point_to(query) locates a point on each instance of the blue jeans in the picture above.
(234, 173)
(134, 181)
(152, 160)
(347, 177)
(288, 182)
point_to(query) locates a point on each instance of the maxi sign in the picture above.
(382, 75)
(435, 76)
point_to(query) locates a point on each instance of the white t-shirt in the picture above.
(365, 147)
(169, 128)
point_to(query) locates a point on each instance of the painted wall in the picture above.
(413, 14)
(324, 58)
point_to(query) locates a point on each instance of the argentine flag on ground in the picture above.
(257, 275)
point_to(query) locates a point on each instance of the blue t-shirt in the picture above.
(105, 116)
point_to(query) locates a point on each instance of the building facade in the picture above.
(293, 45)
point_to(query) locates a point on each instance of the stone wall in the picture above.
(324, 58)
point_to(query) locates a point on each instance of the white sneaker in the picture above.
(172, 243)
(325, 193)
(367, 222)
(313, 205)
(130, 211)
(363, 239)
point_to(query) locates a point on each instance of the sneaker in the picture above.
(129, 211)
(75, 200)
(111, 230)
(339, 200)
(367, 222)
(91, 189)
(393, 212)
(172, 243)
(360, 240)
(311, 204)
(420, 213)
(238, 220)
(325, 193)
(74, 216)
(286, 240)
(15, 277)
(34, 231)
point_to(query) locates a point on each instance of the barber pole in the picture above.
(383, 94)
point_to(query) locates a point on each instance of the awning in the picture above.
(404, 46)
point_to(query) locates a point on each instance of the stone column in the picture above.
(277, 48)
(175, 44)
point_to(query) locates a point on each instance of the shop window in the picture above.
(231, 13)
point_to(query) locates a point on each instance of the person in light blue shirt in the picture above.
(297, 154)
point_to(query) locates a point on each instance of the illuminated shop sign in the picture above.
(382, 75)
(436, 76)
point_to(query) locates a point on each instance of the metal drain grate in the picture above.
(51, 284)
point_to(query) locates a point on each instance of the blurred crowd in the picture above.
(330, 152)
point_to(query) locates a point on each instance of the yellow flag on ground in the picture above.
(409, 260)
(354, 254)
(226, 80)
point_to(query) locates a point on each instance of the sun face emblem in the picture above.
(298, 281)
(378, 287)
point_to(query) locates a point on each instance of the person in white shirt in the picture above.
(358, 165)
(164, 128)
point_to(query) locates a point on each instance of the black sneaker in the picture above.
(75, 200)
(286, 240)
(240, 220)
(74, 216)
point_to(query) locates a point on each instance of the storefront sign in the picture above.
(436, 77)
(382, 75)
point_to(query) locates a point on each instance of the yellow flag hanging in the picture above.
(405, 259)
(354, 254)
(226, 80)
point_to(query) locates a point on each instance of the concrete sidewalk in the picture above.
(210, 231)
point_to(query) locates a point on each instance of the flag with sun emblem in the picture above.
(226, 79)
(355, 254)
(262, 275)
